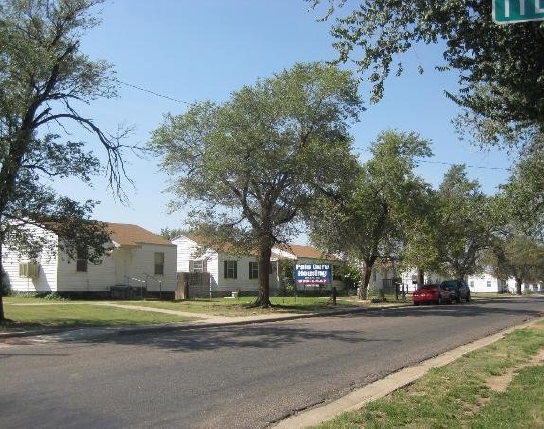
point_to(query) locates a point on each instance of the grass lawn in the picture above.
(37, 314)
(239, 306)
(499, 386)
(242, 306)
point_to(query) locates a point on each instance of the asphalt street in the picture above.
(231, 376)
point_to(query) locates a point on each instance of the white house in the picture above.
(537, 287)
(486, 282)
(482, 283)
(229, 273)
(136, 257)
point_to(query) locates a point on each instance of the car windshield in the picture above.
(427, 287)
(449, 285)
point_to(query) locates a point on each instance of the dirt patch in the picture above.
(501, 382)
(480, 403)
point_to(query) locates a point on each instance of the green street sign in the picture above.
(510, 11)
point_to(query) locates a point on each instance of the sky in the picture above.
(187, 51)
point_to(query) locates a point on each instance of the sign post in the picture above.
(512, 11)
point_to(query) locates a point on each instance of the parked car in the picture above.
(459, 290)
(435, 293)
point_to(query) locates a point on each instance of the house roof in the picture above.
(126, 234)
(307, 252)
(289, 251)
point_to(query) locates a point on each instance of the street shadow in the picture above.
(38, 355)
(474, 308)
(258, 336)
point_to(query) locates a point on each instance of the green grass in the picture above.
(520, 406)
(30, 312)
(458, 395)
(232, 307)
(239, 307)
(39, 314)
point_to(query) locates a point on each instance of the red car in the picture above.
(435, 293)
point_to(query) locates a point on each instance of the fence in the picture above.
(193, 285)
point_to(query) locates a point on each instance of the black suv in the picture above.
(458, 290)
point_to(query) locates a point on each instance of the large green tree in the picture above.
(256, 161)
(44, 81)
(524, 192)
(367, 221)
(464, 223)
(499, 66)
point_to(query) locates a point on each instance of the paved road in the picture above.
(237, 376)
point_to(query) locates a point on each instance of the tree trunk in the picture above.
(518, 286)
(420, 277)
(2, 318)
(265, 252)
(366, 272)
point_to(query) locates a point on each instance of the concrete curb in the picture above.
(380, 388)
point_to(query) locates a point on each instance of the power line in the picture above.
(155, 93)
(466, 165)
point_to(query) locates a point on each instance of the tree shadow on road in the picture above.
(257, 336)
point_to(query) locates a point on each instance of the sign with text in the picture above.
(313, 274)
(511, 11)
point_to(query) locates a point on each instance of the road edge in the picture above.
(394, 381)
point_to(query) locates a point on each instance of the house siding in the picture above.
(485, 283)
(142, 266)
(47, 277)
(242, 280)
(97, 278)
(186, 249)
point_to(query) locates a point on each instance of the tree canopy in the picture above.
(500, 66)
(255, 162)
(44, 80)
(518, 256)
(368, 220)
(464, 224)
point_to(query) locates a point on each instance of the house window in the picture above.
(471, 284)
(197, 266)
(159, 263)
(29, 269)
(489, 283)
(230, 269)
(82, 259)
(253, 270)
